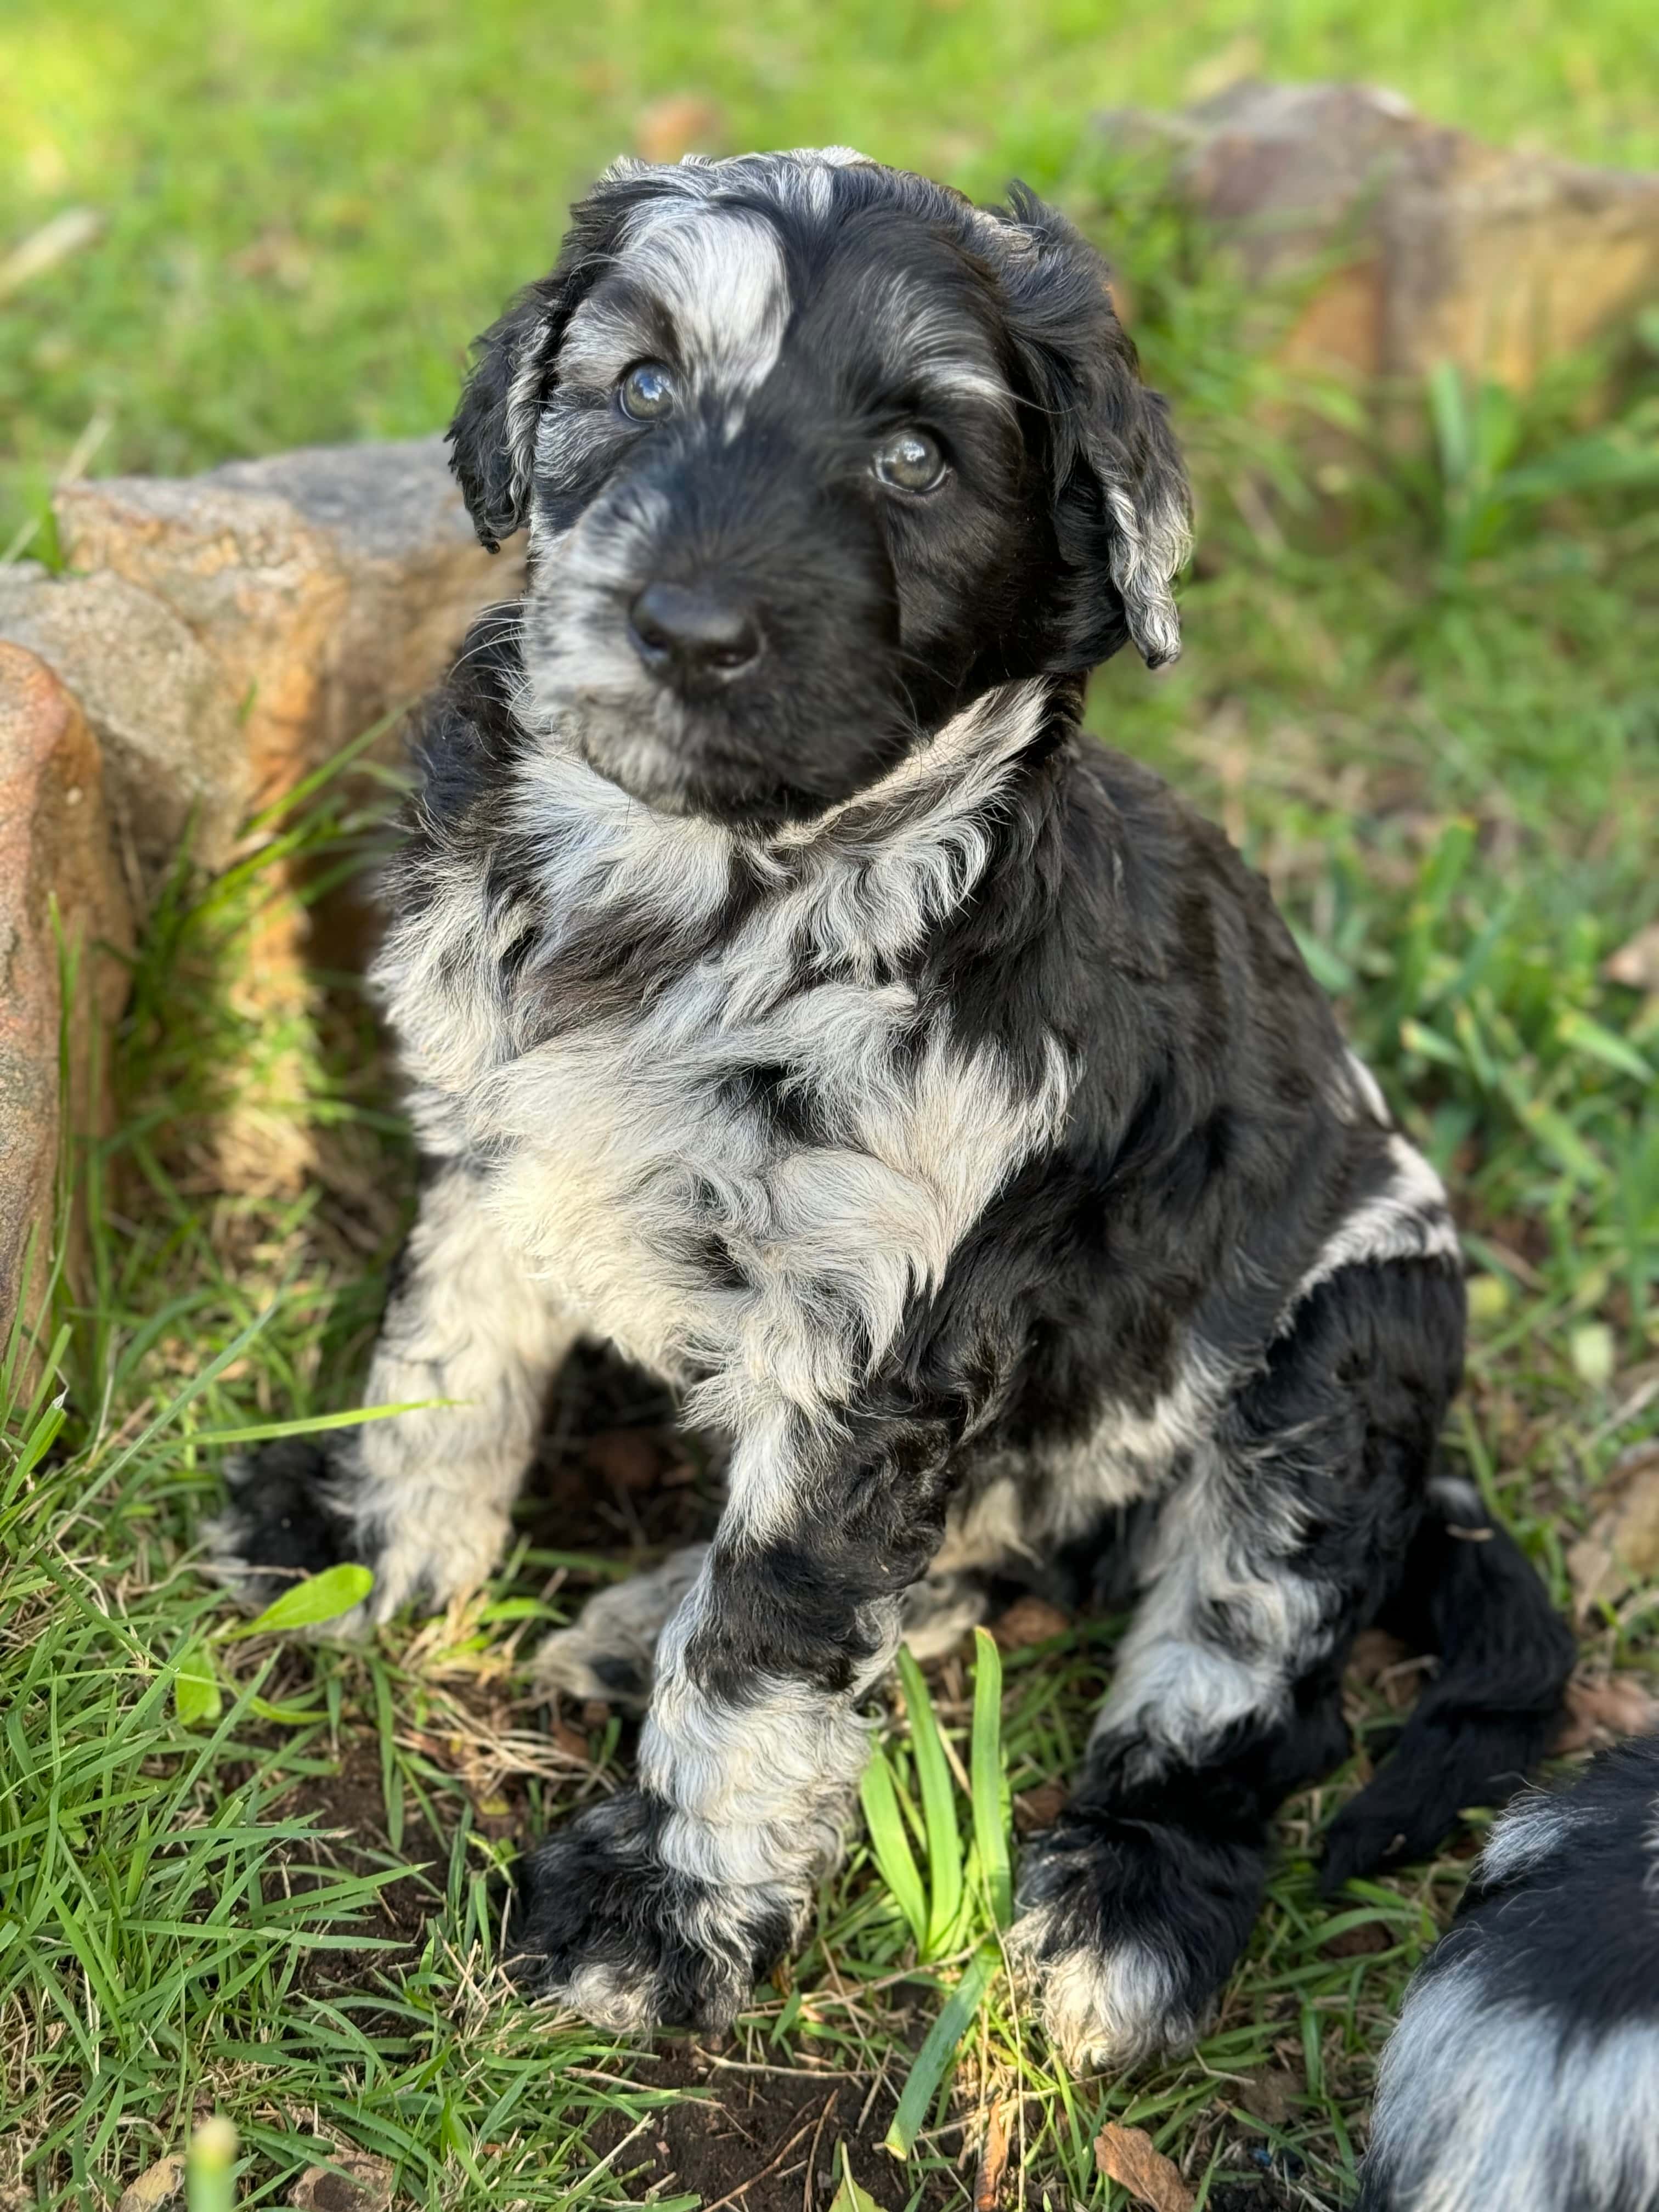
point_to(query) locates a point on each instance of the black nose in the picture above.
(680, 630)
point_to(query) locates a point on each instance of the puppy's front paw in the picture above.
(279, 1523)
(604, 1925)
(1129, 1928)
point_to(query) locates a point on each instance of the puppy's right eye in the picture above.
(647, 391)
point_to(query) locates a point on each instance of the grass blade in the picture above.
(938, 1810)
(305, 1424)
(892, 1846)
(937, 2050)
(985, 1768)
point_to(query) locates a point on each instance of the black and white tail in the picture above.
(1524, 2074)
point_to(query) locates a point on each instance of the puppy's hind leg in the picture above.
(611, 1650)
(1276, 1549)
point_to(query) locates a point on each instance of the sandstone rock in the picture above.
(327, 587)
(1437, 247)
(160, 709)
(54, 845)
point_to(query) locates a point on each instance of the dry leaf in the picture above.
(1040, 1807)
(1620, 1548)
(1602, 1711)
(1381, 1663)
(276, 253)
(1129, 2157)
(571, 1741)
(1029, 1620)
(43, 249)
(1636, 964)
(1375, 1651)
(1273, 2095)
(363, 2184)
(992, 2161)
(156, 2186)
(1359, 1941)
(682, 123)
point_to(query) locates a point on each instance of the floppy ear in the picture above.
(493, 433)
(493, 436)
(1122, 506)
(1143, 483)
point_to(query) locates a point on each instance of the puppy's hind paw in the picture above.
(1128, 1929)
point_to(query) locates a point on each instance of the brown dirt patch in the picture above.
(614, 1473)
(765, 2138)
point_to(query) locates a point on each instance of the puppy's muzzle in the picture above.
(693, 634)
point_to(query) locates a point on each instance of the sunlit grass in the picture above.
(1420, 691)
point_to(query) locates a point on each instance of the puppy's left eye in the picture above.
(910, 462)
(647, 391)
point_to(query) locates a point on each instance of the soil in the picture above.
(614, 1473)
(766, 2140)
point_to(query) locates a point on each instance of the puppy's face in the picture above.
(810, 453)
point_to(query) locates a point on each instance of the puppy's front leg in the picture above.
(666, 1902)
(422, 1497)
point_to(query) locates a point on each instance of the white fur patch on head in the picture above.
(717, 273)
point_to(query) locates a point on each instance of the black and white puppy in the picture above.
(1525, 2068)
(791, 992)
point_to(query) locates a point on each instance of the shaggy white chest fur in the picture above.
(632, 1163)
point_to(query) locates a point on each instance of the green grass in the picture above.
(1420, 691)
(311, 207)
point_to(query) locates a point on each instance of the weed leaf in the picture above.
(318, 1598)
(196, 1698)
(849, 2197)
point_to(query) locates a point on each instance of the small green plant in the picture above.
(968, 1896)
(1485, 481)
(849, 2197)
(197, 1694)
